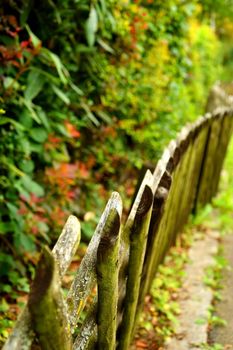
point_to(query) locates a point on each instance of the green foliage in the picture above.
(164, 291)
(212, 347)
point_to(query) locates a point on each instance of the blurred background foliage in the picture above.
(91, 91)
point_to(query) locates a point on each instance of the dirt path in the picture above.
(224, 335)
(195, 297)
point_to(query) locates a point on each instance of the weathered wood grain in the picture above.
(204, 194)
(46, 306)
(67, 244)
(86, 277)
(224, 138)
(107, 281)
(192, 176)
(157, 212)
(137, 226)
(88, 334)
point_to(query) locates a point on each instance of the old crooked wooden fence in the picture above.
(121, 259)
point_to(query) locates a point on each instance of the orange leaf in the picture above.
(72, 130)
(141, 344)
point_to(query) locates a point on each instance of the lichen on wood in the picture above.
(46, 306)
(107, 276)
(204, 185)
(157, 212)
(87, 337)
(86, 278)
(137, 226)
(67, 244)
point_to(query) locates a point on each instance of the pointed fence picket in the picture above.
(122, 258)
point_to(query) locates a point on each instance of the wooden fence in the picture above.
(122, 258)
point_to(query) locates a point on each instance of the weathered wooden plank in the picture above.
(46, 306)
(86, 278)
(218, 119)
(161, 185)
(180, 188)
(157, 212)
(200, 130)
(87, 338)
(204, 185)
(176, 193)
(137, 226)
(107, 281)
(224, 138)
(124, 253)
(187, 200)
(67, 244)
(157, 231)
(22, 335)
(184, 200)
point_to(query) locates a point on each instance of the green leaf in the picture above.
(35, 41)
(32, 186)
(105, 46)
(27, 165)
(36, 147)
(90, 115)
(6, 120)
(104, 116)
(91, 26)
(24, 242)
(61, 95)
(34, 86)
(29, 105)
(12, 167)
(10, 82)
(25, 146)
(4, 306)
(55, 60)
(19, 187)
(38, 134)
(76, 89)
(5, 227)
(43, 117)
(201, 321)
(12, 208)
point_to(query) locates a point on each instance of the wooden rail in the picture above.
(122, 258)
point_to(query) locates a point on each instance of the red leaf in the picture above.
(72, 130)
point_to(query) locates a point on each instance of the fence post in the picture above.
(224, 138)
(162, 179)
(137, 226)
(107, 281)
(206, 176)
(86, 278)
(200, 132)
(46, 306)
(157, 212)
